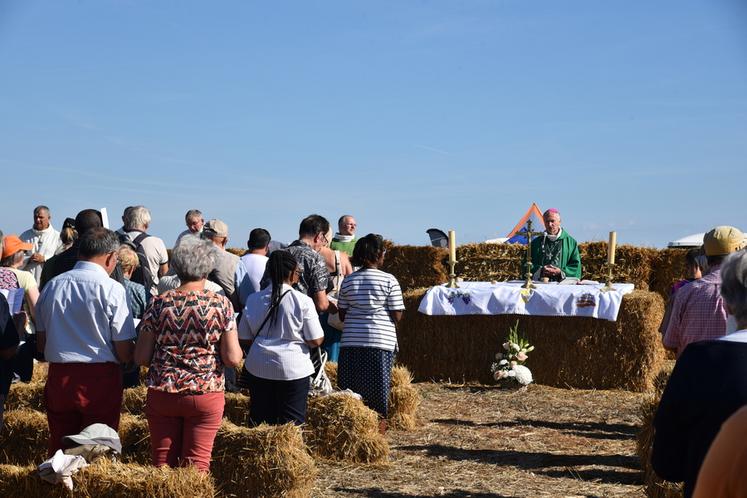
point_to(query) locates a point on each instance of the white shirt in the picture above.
(279, 352)
(367, 296)
(249, 273)
(83, 312)
(46, 242)
(185, 233)
(156, 255)
(738, 336)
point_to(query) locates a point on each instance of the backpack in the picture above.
(138, 275)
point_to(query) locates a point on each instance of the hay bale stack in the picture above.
(26, 396)
(262, 461)
(135, 437)
(655, 486)
(342, 428)
(404, 400)
(570, 351)
(488, 262)
(237, 408)
(417, 266)
(632, 264)
(110, 479)
(667, 269)
(24, 438)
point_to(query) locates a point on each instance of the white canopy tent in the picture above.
(694, 240)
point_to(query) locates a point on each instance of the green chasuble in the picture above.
(338, 245)
(562, 253)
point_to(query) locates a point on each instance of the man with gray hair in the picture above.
(195, 222)
(708, 384)
(85, 330)
(151, 250)
(44, 239)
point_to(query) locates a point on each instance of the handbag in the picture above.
(333, 319)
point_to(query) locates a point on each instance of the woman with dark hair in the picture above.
(370, 304)
(187, 337)
(279, 325)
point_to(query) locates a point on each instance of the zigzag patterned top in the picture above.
(188, 327)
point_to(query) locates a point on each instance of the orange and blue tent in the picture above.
(517, 236)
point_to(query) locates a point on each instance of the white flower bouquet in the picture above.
(510, 361)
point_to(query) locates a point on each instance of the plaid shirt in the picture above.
(698, 313)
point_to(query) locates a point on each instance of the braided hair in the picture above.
(280, 266)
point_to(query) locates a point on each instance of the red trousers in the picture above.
(183, 427)
(80, 394)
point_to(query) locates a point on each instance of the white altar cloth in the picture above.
(509, 298)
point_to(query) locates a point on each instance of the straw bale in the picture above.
(330, 368)
(24, 437)
(417, 266)
(238, 251)
(110, 479)
(632, 264)
(343, 428)
(29, 396)
(133, 400)
(40, 372)
(237, 408)
(262, 461)
(404, 400)
(570, 351)
(489, 262)
(654, 485)
(668, 268)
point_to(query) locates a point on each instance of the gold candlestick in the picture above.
(608, 286)
(452, 259)
(452, 275)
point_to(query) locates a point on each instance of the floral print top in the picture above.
(187, 327)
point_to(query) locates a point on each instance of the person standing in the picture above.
(194, 221)
(85, 330)
(698, 311)
(224, 273)
(314, 278)
(344, 239)
(555, 254)
(252, 265)
(136, 223)
(279, 325)
(370, 305)
(187, 339)
(44, 239)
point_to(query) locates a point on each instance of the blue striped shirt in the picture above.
(367, 296)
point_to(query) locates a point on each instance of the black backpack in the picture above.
(138, 275)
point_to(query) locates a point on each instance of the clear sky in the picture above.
(625, 115)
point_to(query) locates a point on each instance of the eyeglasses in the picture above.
(326, 240)
(298, 272)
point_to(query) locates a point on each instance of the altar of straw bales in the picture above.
(570, 352)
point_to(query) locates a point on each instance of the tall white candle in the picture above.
(611, 248)
(452, 246)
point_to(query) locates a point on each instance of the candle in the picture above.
(452, 246)
(611, 248)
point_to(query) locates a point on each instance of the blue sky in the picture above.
(625, 115)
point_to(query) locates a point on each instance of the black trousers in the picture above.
(277, 402)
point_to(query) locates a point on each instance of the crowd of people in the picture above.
(705, 326)
(99, 304)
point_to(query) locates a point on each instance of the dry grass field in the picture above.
(483, 441)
